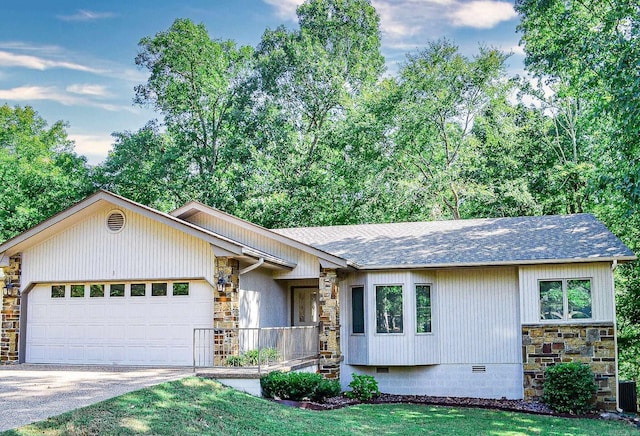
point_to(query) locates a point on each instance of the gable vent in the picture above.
(478, 368)
(115, 221)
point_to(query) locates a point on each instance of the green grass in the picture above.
(199, 406)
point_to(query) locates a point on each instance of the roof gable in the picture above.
(499, 241)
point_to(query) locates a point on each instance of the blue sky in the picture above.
(74, 60)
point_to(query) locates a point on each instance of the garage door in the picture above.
(118, 323)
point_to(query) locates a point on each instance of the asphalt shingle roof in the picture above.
(464, 242)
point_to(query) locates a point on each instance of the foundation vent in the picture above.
(382, 370)
(115, 221)
(478, 368)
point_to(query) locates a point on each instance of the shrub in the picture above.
(569, 387)
(290, 385)
(327, 389)
(235, 361)
(363, 387)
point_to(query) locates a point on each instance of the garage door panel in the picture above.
(116, 330)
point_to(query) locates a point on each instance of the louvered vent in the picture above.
(478, 368)
(115, 221)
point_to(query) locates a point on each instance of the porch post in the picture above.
(329, 311)
(10, 319)
(226, 310)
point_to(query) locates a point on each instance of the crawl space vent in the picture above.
(478, 368)
(115, 221)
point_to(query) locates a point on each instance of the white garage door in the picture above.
(129, 324)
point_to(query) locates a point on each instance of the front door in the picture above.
(305, 306)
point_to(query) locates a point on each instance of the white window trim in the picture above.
(364, 309)
(565, 301)
(375, 310)
(415, 306)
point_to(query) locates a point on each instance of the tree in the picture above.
(443, 94)
(306, 82)
(196, 83)
(40, 174)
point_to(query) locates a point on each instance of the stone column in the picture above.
(226, 315)
(10, 319)
(545, 345)
(329, 311)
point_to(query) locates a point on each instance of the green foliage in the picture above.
(298, 386)
(254, 357)
(40, 174)
(569, 387)
(363, 387)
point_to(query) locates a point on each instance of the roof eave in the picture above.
(620, 259)
(193, 206)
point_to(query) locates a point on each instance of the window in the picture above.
(357, 309)
(423, 309)
(565, 299)
(57, 291)
(77, 291)
(158, 289)
(181, 289)
(96, 291)
(138, 289)
(389, 309)
(116, 290)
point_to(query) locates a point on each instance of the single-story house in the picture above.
(472, 308)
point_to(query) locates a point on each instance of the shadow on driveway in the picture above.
(30, 393)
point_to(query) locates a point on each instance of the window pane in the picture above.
(138, 289)
(357, 309)
(158, 289)
(423, 308)
(77, 291)
(389, 309)
(551, 301)
(181, 289)
(579, 296)
(96, 291)
(116, 290)
(57, 291)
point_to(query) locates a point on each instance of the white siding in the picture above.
(144, 249)
(601, 289)
(478, 320)
(263, 301)
(355, 348)
(496, 381)
(308, 266)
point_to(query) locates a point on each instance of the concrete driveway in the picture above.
(30, 393)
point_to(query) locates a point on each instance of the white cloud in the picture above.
(8, 59)
(88, 89)
(85, 15)
(94, 146)
(285, 9)
(52, 93)
(482, 14)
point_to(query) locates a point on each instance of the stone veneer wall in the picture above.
(10, 314)
(544, 345)
(226, 311)
(329, 314)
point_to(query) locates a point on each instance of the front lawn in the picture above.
(200, 406)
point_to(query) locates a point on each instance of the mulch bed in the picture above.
(533, 407)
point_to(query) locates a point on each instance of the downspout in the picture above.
(614, 266)
(251, 267)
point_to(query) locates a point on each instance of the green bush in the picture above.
(569, 387)
(363, 387)
(298, 386)
(254, 357)
(327, 389)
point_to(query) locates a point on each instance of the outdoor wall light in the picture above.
(8, 289)
(222, 280)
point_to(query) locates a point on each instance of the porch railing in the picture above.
(253, 348)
